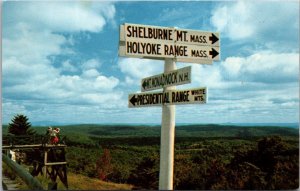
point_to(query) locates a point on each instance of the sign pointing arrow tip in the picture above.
(133, 100)
(213, 38)
(213, 53)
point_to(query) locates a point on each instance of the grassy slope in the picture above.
(76, 182)
(80, 182)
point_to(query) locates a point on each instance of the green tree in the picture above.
(20, 126)
(146, 174)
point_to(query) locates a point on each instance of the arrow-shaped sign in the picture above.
(145, 84)
(171, 78)
(173, 97)
(133, 100)
(213, 38)
(213, 53)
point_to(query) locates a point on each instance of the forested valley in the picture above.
(206, 156)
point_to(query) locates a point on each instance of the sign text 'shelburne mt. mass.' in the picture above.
(171, 35)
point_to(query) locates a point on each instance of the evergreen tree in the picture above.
(20, 126)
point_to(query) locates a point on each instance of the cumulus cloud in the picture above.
(12, 109)
(265, 67)
(32, 34)
(91, 64)
(68, 66)
(61, 16)
(136, 69)
(233, 20)
(274, 24)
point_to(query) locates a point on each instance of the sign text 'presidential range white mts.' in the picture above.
(171, 97)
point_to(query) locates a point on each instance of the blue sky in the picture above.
(60, 61)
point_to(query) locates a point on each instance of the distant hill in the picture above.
(210, 130)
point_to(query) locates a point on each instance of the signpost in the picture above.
(172, 45)
(175, 77)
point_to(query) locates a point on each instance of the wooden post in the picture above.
(167, 137)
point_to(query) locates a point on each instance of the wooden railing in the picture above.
(31, 182)
(28, 140)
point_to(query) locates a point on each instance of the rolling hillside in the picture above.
(210, 130)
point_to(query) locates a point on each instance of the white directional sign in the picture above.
(167, 34)
(175, 77)
(170, 50)
(154, 42)
(174, 97)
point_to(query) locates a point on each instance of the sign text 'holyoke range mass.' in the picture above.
(164, 42)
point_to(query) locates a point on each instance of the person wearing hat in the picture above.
(54, 136)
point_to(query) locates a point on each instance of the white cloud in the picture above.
(67, 89)
(208, 76)
(234, 20)
(266, 67)
(105, 83)
(68, 66)
(257, 20)
(32, 35)
(31, 46)
(91, 64)
(13, 109)
(136, 69)
(91, 73)
(61, 16)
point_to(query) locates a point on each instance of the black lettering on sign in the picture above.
(166, 98)
(198, 39)
(180, 96)
(198, 92)
(199, 53)
(198, 98)
(131, 47)
(129, 31)
(134, 31)
(183, 77)
(175, 50)
(141, 30)
(143, 48)
(148, 33)
(181, 36)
